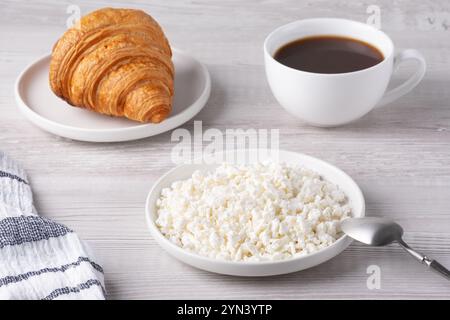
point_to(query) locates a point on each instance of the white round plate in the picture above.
(326, 170)
(42, 107)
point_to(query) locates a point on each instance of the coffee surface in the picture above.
(328, 54)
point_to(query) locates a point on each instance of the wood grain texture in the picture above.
(399, 155)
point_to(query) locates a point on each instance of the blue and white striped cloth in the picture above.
(40, 259)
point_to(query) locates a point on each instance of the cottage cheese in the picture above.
(258, 212)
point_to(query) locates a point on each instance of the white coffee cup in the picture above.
(335, 99)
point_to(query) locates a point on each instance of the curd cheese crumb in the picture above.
(258, 212)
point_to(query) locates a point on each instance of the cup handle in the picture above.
(408, 85)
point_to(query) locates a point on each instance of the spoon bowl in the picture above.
(372, 231)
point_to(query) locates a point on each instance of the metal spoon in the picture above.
(380, 232)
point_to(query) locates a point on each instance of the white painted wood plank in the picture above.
(399, 155)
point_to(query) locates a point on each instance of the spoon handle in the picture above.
(433, 264)
(439, 268)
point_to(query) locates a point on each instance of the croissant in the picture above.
(116, 62)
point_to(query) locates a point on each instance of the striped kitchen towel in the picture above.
(39, 258)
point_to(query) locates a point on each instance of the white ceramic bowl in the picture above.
(266, 268)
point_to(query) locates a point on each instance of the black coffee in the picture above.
(328, 54)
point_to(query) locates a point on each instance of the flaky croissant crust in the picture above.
(116, 62)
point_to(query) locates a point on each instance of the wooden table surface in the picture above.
(399, 155)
